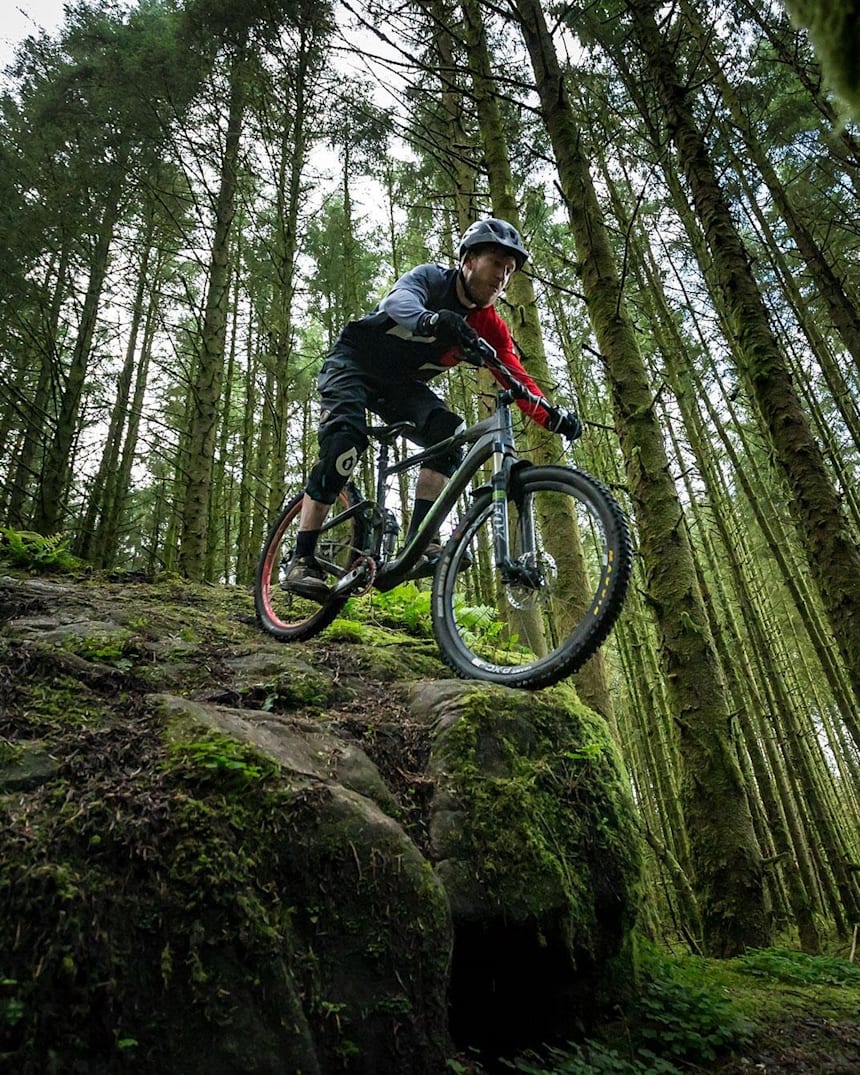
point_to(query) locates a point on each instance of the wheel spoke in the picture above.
(289, 616)
(542, 616)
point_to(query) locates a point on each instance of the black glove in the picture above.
(565, 423)
(448, 327)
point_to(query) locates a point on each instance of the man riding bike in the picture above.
(382, 363)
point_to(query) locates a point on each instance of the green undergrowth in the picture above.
(797, 968)
(700, 1014)
(36, 553)
(405, 608)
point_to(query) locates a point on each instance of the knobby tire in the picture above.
(532, 635)
(286, 616)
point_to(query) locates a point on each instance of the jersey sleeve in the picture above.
(409, 298)
(487, 323)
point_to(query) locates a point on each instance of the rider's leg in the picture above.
(438, 425)
(314, 514)
(416, 402)
(342, 438)
(430, 485)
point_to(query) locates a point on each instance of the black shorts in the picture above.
(348, 390)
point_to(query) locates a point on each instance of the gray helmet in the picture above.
(496, 231)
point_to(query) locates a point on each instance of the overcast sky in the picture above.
(20, 18)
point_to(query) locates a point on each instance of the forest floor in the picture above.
(803, 1033)
(775, 1011)
(808, 1043)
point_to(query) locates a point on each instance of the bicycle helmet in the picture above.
(499, 233)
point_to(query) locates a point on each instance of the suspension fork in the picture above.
(501, 519)
(504, 462)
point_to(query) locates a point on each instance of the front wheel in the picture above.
(287, 616)
(541, 617)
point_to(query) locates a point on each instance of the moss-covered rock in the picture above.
(388, 654)
(301, 746)
(282, 681)
(201, 869)
(24, 766)
(192, 906)
(533, 837)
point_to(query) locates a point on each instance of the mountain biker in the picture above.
(382, 363)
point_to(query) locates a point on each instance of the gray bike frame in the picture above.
(491, 437)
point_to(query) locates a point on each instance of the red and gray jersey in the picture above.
(387, 339)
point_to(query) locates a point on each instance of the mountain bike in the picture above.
(530, 581)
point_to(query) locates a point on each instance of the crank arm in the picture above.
(360, 575)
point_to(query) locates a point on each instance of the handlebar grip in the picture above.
(478, 353)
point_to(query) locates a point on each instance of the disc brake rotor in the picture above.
(522, 595)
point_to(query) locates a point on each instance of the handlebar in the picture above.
(481, 353)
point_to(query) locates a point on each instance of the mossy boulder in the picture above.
(301, 746)
(189, 905)
(24, 766)
(219, 854)
(533, 837)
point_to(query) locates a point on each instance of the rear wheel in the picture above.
(539, 621)
(285, 615)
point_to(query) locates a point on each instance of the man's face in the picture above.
(487, 273)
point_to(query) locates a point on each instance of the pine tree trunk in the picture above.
(730, 645)
(832, 553)
(758, 494)
(246, 551)
(294, 150)
(58, 458)
(107, 535)
(843, 313)
(206, 389)
(219, 514)
(561, 535)
(103, 486)
(726, 860)
(35, 414)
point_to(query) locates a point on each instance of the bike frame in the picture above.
(491, 437)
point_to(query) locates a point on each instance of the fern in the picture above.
(35, 552)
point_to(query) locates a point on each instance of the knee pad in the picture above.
(340, 450)
(439, 426)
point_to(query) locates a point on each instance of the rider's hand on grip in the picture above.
(565, 423)
(474, 354)
(449, 327)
